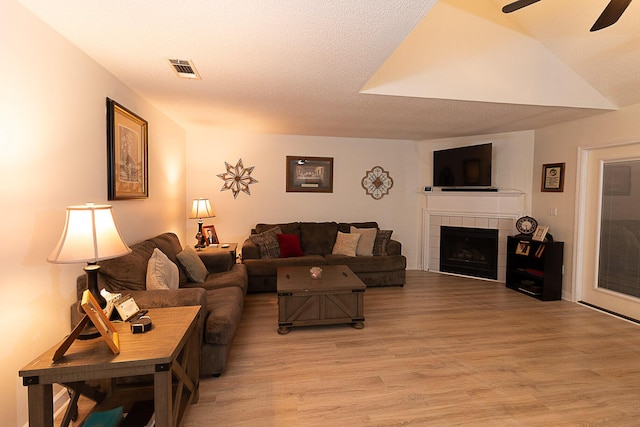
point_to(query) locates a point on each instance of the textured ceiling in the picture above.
(357, 68)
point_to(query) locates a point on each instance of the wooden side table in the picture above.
(170, 349)
(232, 249)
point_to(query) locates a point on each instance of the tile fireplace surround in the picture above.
(493, 210)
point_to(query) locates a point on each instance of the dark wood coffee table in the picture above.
(337, 297)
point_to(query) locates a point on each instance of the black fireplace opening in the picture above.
(469, 251)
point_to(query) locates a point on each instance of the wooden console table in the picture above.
(170, 349)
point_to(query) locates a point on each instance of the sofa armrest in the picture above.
(394, 248)
(250, 250)
(217, 262)
(156, 298)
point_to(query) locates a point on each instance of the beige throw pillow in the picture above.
(346, 244)
(367, 239)
(196, 270)
(162, 273)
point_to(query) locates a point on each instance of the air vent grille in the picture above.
(184, 69)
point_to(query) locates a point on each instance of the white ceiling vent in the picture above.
(184, 69)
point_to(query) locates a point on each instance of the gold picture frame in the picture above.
(127, 153)
(523, 247)
(553, 177)
(100, 321)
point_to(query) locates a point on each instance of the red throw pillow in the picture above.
(289, 245)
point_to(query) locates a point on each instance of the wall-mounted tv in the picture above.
(463, 167)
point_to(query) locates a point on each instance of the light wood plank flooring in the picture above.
(443, 350)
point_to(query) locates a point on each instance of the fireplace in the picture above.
(469, 251)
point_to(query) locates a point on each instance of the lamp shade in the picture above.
(201, 208)
(90, 234)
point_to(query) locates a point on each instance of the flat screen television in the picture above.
(463, 167)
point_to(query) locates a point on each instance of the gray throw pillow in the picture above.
(191, 262)
(381, 242)
(268, 243)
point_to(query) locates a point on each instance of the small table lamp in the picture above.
(89, 235)
(201, 208)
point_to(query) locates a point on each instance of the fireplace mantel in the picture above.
(493, 210)
(510, 202)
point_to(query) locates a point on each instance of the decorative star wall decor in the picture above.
(377, 182)
(237, 178)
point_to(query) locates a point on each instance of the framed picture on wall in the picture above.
(553, 177)
(127, 154)
(310, 174)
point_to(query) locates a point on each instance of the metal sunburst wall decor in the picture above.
(377, 182)
(237, 178)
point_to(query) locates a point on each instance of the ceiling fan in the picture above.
(609, 16)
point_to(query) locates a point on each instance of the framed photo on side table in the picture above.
(210, 236)
(553, 177)
(310, 174)
(100, 321)
(127, 156)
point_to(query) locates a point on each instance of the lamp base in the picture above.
(200, 238)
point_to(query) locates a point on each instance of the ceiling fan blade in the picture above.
(519, 4)
(610, 14)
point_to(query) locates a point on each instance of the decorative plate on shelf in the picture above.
(526, 225)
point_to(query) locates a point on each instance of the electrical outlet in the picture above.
(553, 211)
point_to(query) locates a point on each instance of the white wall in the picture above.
(559, 144)
(53, 141)
(208, 149)
(512, 153)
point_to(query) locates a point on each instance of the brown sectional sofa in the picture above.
(221, 295)
(317, 240)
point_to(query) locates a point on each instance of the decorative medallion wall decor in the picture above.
(377, 182)
(237, 178)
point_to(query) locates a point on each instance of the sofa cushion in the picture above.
(268, 242)
(382, 241)
(269, 267)
(289, 245)
(128, 272)
(287, 228)
(367, 239)
(318, 238)
(360, 264)
(345, 227)
(162, 273)
(346, 244)
(225, 310)
(196, 270)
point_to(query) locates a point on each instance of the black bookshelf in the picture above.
(535, 268)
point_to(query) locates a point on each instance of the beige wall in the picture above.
(559, 144)
(512, 152)
(53, 141)
(208, 149)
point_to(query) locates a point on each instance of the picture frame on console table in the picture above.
(553, 177)
(127, 153)
(309, 174)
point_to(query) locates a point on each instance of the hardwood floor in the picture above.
(443, 350)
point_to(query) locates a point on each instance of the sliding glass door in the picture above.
(609, 255)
